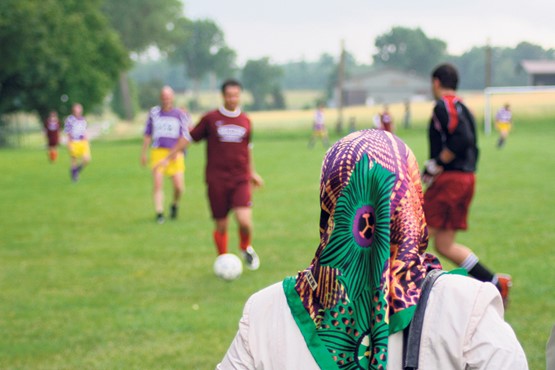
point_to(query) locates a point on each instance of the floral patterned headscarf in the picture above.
(364, 281)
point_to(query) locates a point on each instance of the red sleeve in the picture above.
(200, 131)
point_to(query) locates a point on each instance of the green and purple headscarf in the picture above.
(364, 281)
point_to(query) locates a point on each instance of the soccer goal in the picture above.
(490, 91)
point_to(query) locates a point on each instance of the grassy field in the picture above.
(88, 280)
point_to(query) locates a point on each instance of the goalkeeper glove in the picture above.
(432, 168)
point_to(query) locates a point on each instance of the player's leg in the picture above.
(73, 148)
(219, 206)
(52, 153)
(312, 139)
(241, 203)
(178, 190)
(325, 139)
(84, 155)
(444, 242)
(177, 167)
(86, 158)
(244, 220)
(158, 194)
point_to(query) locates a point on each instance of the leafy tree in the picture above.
(308, 75)
(204, 51)
(506, 65)
(159, 70)
(409, 49)
(261, 78)
(140, 25)
(55, 53)
(149, 93)
(117, 103)
(143, 23)
(333, 76)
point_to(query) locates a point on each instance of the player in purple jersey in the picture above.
(79, 149)
(164, 126)
(319, 130)
(504, 123)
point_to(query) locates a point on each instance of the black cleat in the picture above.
(173, 211)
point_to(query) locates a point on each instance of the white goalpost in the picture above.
(489, 91)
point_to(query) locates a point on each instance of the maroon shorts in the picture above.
(224, 196)
(447, 201)
(52, 138)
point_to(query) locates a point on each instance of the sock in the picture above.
(476, 269)
(244, 239)
(53, 155)
(221, 242)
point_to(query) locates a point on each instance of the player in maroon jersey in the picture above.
(52, 131)
(230, 174)
(386, 121)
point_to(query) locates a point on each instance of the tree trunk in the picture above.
(125, 96)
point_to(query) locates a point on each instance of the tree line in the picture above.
(57, 52)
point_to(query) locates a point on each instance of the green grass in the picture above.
(88, 280)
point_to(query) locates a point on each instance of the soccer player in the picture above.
(319, 127)
(79, 149)
(164, 126)
(504, 123)
(449, 174)
(230, 173)
(52, 131)
(386, 121)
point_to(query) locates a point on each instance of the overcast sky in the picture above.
(287, 30)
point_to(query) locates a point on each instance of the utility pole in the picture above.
(488, 69)
(340, 81)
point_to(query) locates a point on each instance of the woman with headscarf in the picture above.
(350, 307)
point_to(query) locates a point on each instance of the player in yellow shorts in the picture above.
(76, 128)
(175, 166)
(164, 126)
(319, 130)
(79, 149)
(504, 123)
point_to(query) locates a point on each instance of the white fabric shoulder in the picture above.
(465, 316)
(268, 337)
(155, 112)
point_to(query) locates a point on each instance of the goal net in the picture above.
(500, 92)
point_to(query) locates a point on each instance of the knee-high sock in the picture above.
(476, 269)
(244, 239)
(221, 242)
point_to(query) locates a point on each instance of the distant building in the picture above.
(384, 86)
(540, 72)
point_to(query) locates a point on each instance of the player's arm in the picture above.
(147, 140)
(434, 166)
(256, 179)
(182, 143)
(447, 154)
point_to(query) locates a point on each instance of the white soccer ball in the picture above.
(228, 266)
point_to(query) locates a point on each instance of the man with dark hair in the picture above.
(449, 174)
(230, 173)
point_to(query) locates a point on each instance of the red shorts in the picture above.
(224, 196)
(447, 201)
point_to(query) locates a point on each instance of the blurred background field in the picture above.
(89, 280)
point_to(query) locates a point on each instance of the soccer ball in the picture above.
(228, 266)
